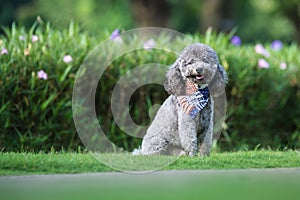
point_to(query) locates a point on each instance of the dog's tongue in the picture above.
(199, 77)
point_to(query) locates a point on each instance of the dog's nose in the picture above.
(199, 70)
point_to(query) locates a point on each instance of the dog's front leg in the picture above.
(207, 124)
(206, 144)
(187, 129)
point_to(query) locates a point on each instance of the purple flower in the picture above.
(261, 50)
(149, 44)
(115, 36)
(42, 75)
(276, 45)
(236, 40)
(67, 59)
(262, 63)
(283, 66)
(34, 38)
(115, 33)
(4, 51)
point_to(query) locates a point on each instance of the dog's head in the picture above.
(197, 63)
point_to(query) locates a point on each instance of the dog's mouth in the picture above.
(198, 77)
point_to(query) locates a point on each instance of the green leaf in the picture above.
(66, 72)
(48, 101)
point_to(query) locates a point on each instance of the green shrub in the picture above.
(263, 103)
(36, 114)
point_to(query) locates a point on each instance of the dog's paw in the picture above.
(137, 151)
(205, 149)
(204, 152)
(192, 153)
(202, 155)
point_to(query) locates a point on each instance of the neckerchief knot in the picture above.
(195, 100)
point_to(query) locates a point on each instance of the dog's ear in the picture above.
(217, 84)
(175, 84)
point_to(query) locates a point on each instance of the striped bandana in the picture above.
(195, 100)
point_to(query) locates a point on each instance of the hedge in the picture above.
(38, 69)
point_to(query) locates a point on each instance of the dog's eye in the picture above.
(190, 62)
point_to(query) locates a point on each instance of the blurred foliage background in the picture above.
(36, 114)
(256, 20)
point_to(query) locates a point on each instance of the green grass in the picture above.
(223, 184)
(69, 163)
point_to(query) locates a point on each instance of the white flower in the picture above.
(261, 50)
(262, 63)
(67, 59)
(4, 51)
(283, 66)
(149, 44)
(22, 37)
(34, 38)
(42, 75)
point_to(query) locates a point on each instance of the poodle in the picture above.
(183, 125)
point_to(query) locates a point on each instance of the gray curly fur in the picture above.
(174, 132)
